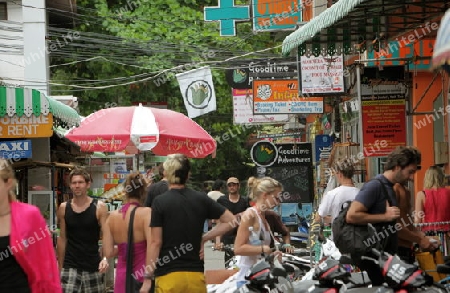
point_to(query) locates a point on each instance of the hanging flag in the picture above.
(197, 89)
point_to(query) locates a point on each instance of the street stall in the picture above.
(28, 140)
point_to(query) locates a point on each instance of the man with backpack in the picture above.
(376, 204)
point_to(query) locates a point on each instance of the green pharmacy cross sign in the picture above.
(226, 13)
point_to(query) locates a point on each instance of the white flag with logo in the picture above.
(197, 89)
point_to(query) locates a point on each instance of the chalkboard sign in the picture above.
(296, 180)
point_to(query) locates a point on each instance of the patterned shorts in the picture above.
(76, 281)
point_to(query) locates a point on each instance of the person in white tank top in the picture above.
(266, 193)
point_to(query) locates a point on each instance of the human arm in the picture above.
(62, 239)
(102, 215)
(357, 214)
(369, 196)
(241, 246)
(153, 249)
(419, 212)
(147, 219)
(407, 233)
(107, 239)
(324, 208)
(225, 224)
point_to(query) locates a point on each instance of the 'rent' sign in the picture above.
(26, 127)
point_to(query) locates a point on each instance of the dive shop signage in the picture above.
(244, 74)
(15, 149)
(26, 127)
(264, 154)
(277, 96)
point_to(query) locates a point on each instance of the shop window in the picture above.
(3, 11)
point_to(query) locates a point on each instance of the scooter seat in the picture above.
(360, 279)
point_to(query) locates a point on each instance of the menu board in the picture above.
(297, 182)
(292, 166)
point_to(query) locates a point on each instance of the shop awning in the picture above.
(28, 102)
(353, 26)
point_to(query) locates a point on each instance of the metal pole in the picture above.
(358, 92)
(392, 59)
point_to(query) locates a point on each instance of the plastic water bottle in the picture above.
(254, 237)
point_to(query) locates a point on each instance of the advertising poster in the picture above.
(243, 110)
(276, 15)
(322, 74)
(384, 119)
(281, 97)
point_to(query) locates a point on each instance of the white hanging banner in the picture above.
(197, 89)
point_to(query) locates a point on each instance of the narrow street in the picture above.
(213, 259)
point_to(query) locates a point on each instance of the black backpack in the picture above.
(356, 239)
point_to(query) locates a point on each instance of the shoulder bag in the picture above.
(131, 284)
(356, 239)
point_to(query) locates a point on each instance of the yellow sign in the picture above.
(21, 127)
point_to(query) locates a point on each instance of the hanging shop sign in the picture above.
(276, 15)
(243, 76)
(278, 96)
(384, 119)
(293, 168)
(26, 127)
(403, 49)
(243, 110)
(264, 153)
(322, 75)
(16, 149)
(323, 146)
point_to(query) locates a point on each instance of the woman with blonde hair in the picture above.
(117, 231)
(28, 263)
(433, 203)
(266, 193)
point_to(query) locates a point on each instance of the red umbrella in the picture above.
(159, 130)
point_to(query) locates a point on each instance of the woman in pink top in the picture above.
(433, 203)
(27, 257)
(117, 231)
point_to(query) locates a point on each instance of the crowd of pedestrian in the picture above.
(158, 235)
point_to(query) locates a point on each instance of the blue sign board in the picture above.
(323, 143)
(15, 149)
(269, 15)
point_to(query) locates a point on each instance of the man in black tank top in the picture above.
(80, 220)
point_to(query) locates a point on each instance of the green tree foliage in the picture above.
(165, 37)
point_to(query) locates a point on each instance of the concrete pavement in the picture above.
(213, 259)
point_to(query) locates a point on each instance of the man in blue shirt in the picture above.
(372, 205)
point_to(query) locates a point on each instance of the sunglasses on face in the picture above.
(232, 184)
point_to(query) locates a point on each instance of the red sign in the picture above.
(384, 124)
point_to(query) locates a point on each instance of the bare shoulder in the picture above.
(62, 208)
(144, 212)
(248, 215)
(421, 193)
(101, 204)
